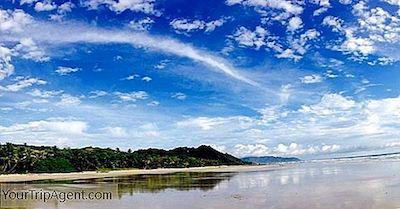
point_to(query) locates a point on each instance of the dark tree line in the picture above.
(38, 159)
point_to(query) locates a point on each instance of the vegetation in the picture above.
(52, 165)
(34, 159)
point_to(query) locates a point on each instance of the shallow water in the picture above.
(364, 184)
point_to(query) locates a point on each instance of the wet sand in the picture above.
(93, 174)
(331, 184)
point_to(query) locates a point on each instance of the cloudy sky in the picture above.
(308, 78)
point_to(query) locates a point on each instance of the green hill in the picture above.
(38, 159)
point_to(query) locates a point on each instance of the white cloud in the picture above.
(132, 96)
(287, 6)
(179, 95)
(131, 77)
(31, 105)
(142, 24)
(186, 25)
(289, 53)
(357, 45)
(65, 7)
(330, 74)
(55, 131)
(44, 94)
(374, 33)
(385, 110)
(320, 11)
(295, 23)
(194, 25)
(6, 68)
(62, 10)
(63, 126)
(380, 24)
(202, 122)
(66, 70)
(296, 149)
(327, 63)
(308, 35)
(311, 79)
(276, 130)
(29, 50)
(285, 92)
(325, 5)
(334, 22)
(145, 6)
(345, 1)
(271, 114)
(382, 61)
(393, 144)
(75, 33)
(297, 44)
(291, 149)
(208, 123)
(97, 93)
(69, 100)
(147, 130)
(147, 79)
(22, 2)
(46, 5)
(322, 3)
(116, 132)
(393, 2)
(329, 104)
(357, 124)
(212, 25)
(243, 150)
(22, 83)
(248, 38)
(14, 21)
(330, 148)
(380, 116)
(161, 65)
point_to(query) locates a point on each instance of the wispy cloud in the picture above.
(22, 83)
(73, 32)
(66, 70)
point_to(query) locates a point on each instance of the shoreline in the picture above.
(10, 178)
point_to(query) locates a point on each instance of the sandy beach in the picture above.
(93, 174)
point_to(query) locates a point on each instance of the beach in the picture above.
(116, 173)
(333, 184)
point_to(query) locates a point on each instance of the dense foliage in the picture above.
(26, 159)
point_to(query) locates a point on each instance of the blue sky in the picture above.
(308, 78)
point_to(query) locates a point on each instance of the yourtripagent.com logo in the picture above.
(45, 196)
(22, 195)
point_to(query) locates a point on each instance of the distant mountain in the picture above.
(269, 159)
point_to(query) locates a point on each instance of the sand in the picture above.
(93, 174)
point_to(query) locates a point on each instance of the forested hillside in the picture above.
(38, 159)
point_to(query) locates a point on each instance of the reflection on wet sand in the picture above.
(368, 185)
(177, 181)
(154, 183)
